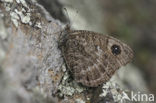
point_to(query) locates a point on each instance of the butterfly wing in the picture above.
(89, 58)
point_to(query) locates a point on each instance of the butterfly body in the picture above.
(92, 57)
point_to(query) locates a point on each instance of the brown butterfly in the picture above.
(93, 58)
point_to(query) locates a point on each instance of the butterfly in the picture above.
(93, 58)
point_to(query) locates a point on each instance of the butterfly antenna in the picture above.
(68, 24)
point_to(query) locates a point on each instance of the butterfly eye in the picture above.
(116, 50)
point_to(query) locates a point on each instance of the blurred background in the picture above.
(132, 21)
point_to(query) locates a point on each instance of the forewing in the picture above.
(90, 57)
